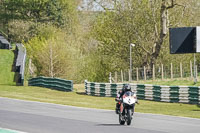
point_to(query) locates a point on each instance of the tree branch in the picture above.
(174, 4)
(102, 5)
(144, 49)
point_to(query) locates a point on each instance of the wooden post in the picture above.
(115, 77)
(162, 71)
(145, 78)
(137, 74)
(122, 79)
(110, 77)
(30, 67)
(191, 73)
(125, 76)
(181, 69)
(153, 72)
(196, 73)
(171, 71)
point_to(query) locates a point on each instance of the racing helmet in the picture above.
(127, 87)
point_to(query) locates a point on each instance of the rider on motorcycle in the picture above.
(125, 88)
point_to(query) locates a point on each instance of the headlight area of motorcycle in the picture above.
(128, 105)
(134, 96)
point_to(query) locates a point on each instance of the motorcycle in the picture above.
(127, 105)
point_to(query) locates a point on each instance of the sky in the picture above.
(93, 7)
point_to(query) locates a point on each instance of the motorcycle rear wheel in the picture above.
(121, 122)
(129, 117)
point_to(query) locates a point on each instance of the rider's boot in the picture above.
(117, 109)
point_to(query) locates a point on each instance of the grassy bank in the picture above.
(6, 62)
(78, 98)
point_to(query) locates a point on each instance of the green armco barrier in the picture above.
(102, 90)
(92, 90)
(177, 94)
(53, 83)
(193, 95)
(113, 90)
(140, 91)
(156, 93)
(174, 94)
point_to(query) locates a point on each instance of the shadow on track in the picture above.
(108, 125)
(81, 93)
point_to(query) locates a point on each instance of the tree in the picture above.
(50, 53)
(123, 25)
(60, 13)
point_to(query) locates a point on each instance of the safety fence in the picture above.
(4, 44)
(53, 83)
(20, 63)
(182, 70)
(177, 94)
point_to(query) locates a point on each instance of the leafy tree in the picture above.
(116, 29)
(50, 53)
(60, 13)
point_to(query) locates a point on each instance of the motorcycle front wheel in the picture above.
(129, 116)
(121, 120)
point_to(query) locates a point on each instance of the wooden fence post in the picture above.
(115, 77)
(191, 73)
(196, 73)
(145, 78)
(125, 78)
(153, 72)
(172, 71)
(137, 74)
(162, 71)
(181, 69)
(110, 77)
(122, 79)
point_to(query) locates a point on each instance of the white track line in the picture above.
(10, 130)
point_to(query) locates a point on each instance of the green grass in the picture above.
(78, 98)
(6, 62)
(175, 82)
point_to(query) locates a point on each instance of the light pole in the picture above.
(195, 71)
(130, 76)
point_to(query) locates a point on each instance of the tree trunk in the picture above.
(163, 32)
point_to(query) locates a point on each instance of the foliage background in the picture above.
(77, 41)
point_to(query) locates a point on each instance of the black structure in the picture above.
(20, 64)
(4, 44)
(184, 40)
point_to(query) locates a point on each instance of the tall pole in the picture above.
(130, 76)
(195, 74)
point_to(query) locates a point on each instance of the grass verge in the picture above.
(174, 82)
(78, 98)
(6, 62)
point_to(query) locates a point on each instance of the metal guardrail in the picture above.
(177, 94)
(20, 63)
(4, 44)
(53, 83)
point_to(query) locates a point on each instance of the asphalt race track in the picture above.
(36, 117)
